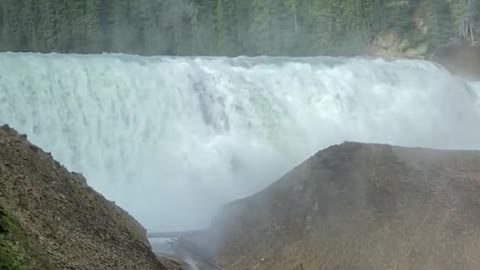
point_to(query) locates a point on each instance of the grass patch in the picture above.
(12, 255)
(17, 251)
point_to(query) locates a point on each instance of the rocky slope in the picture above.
(51, 219)
(363, 207)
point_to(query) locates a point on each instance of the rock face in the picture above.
(460, 59)
(391, 45)
(51, 219)
(361, 207)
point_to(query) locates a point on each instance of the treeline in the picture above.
(226, 27)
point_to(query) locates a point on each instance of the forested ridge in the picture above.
(230, 27)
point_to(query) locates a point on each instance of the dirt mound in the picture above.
(363, 207)
(51, 219)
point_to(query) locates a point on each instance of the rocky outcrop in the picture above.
(393, 45)
(51, 219)
(414, 43)
(363, 207)
(460, 59)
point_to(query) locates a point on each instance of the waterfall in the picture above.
(171, 139)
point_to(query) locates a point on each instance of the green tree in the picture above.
(93, 28)
(464, 15)
(225, 27)
(76, 19)
(260, 27)
(439, 22)
(221, 25)
(293, 6)
(29, 26)
(12, 24)
(322, 24)
(47, 27)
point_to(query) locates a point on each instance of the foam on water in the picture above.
(171, 139)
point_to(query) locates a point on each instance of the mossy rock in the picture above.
(12, 255)
(16, 251)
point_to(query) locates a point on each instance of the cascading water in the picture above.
(171, 139)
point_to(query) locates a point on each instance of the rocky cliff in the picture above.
(460, 60)
(51, 219)
(363, 207)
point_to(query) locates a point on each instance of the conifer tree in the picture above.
(93, 29)
(226, 27)
(439, 22)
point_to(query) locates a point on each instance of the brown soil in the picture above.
(51, 219)
(360, 207)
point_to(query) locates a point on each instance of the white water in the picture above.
(171, 139)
